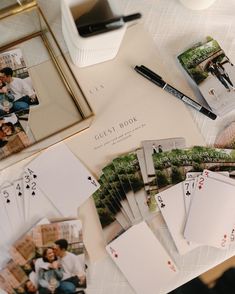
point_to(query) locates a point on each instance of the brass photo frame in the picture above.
(63, 109)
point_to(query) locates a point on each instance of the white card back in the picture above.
(211, 215)
(171, 204)
(63, 178)
(142, 259)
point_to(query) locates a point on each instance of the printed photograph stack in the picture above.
(49, 258)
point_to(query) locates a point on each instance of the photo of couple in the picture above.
(213, 72)
(17, 95)
(49, 259)
(57, 271)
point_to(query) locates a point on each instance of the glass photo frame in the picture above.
(52, 105)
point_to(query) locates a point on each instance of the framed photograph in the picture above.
(39, 94)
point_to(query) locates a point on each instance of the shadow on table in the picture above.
(225, 284)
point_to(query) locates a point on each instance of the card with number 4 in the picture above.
(19, 193)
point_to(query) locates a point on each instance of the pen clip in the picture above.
(151, 72)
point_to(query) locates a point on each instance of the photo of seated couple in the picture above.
(17, 95)
(16, 89)
(57, 271)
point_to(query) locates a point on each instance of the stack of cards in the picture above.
(192, 187)
(186, 199)
(53, 185)
(37, 264)
(131, 184)
(195, 213)
(213, 72)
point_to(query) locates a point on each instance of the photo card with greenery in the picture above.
(112, 178)
(171, 167)
(132, 176)
(213, 72)
(121, 165)
(112, 219)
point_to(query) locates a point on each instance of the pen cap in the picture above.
(85, 51)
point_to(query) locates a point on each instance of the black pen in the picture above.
(108, 25)
(156, 79)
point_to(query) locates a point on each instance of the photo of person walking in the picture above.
(217, 70)
(210, 68)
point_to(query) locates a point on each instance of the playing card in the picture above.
(171, 204)
(132, 173)
(109, 198)
(188, 189)
(143, 169)
(142, 259)
(109, 214)
(158, 146)
(220, 176)
(190, 182)
(19, 194)
(192, 175)
(63, 178)
(8, 198)
(27, 193)
(122, 166)
(5, 224)
(112, 178)
(211, 215)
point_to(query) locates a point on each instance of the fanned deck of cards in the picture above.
(33, 254)
(191, 189)
(53, 185)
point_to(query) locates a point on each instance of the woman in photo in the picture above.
(6, 99)
(50, 275)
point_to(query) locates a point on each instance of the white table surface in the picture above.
(173, 28)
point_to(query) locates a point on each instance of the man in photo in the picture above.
(160, 150)
(6, 99)
(154, 149)
(217, 70)
(73, 269)
(24, 95)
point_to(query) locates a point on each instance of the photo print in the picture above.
(214, 73)
(17, 95)
(50, 258)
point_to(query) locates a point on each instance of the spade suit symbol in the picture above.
(162, 205)
(8, 201)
